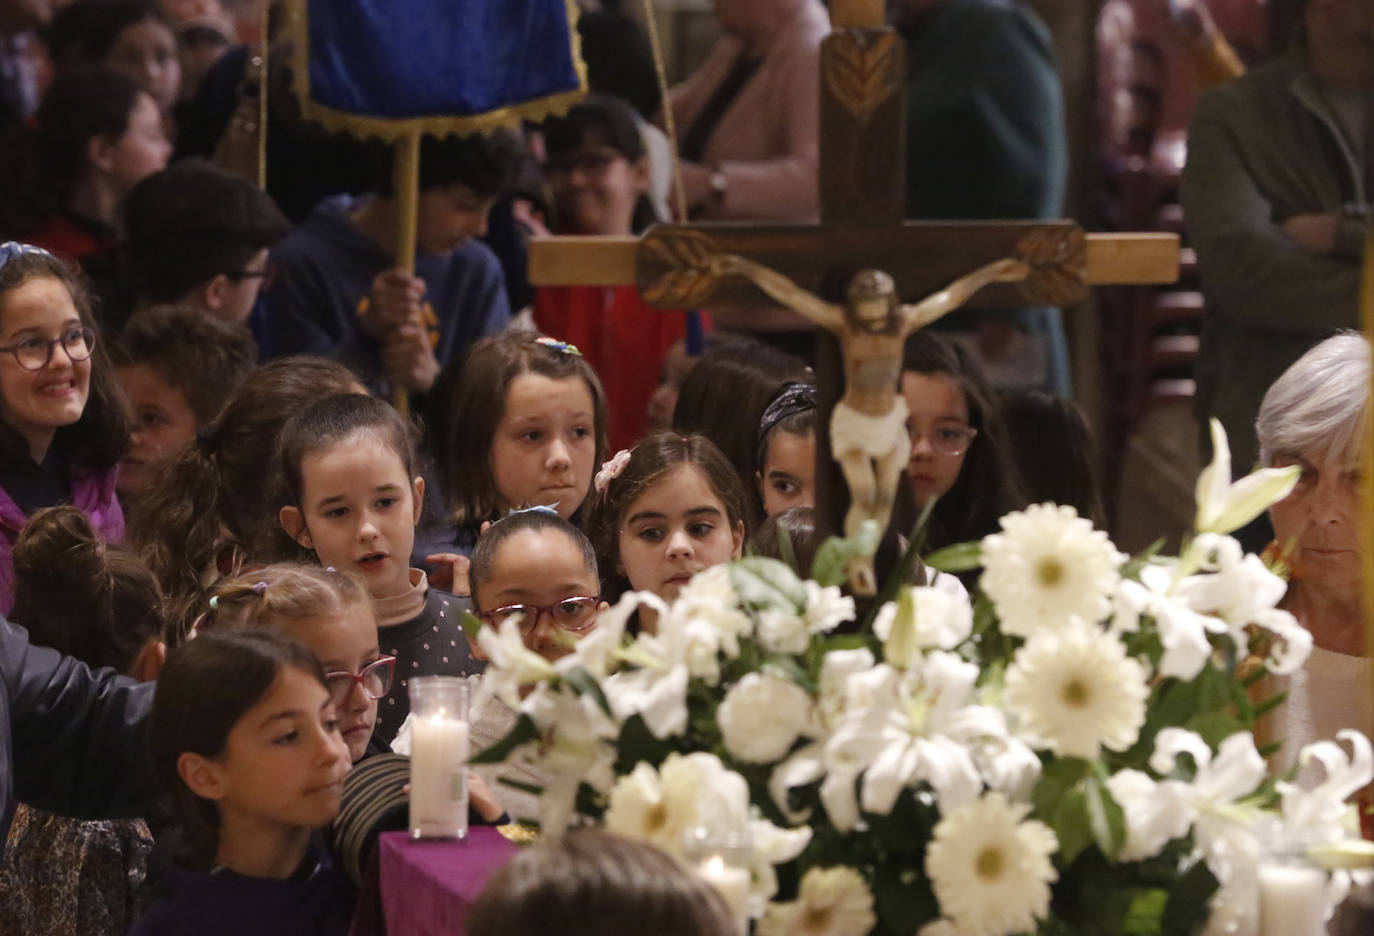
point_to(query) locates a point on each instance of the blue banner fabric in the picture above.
(419, 59)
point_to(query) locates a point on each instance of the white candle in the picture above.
(733, 885)
(1292, 900)
(438, 777)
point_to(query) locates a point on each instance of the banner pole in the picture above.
(406, 185)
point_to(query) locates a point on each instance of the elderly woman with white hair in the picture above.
(1314, 416)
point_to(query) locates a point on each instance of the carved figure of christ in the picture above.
(868, 435)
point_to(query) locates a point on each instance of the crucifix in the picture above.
(865, 276)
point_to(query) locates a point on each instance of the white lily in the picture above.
(1322, 814)
(577, 746)
(1223, 505)
(1224, 826)
(511, 665)
(1240, 590)
(918, 727)
(659, 697)
(1182, 630)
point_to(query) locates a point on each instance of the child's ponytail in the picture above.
(179, 534)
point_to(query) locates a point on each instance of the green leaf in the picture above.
(903, 897)
(637, 744)
(1106, 818)
(1058, 777)
(471, 625)
(768, 583)
(789, 667)
(1071, 824)
(533, 789)
(524, 732)
(834, 554)
(583, 683)
(1268, 705)
(960, 557)
(1188, 906)
(1146, 914)
(1215, 727)
(905, 572)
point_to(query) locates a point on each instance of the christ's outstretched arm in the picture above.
(954, 295)
(782, 290)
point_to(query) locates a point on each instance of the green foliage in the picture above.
(768, 583)
(834, 554)
(960, 557)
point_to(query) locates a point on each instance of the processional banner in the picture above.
(394, 68)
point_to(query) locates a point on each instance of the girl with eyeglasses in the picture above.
(62, 423)
(959, 449)
(355, 498)
(535, 571)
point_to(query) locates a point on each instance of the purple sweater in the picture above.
(93, 494)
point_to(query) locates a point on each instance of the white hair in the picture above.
(1320, 404)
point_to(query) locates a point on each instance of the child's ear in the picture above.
(149, 661)
(738, 538)
(212, 292)
(293, 523)
(641, 174)
(100, 152)
(603, 607)
(758, 483)
(202, 776)
(418, 492)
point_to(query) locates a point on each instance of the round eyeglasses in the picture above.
(946, 440)
(571, 614)
(35, 353)
(375, 680)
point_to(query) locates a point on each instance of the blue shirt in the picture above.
(326, 268)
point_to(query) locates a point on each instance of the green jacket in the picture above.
(1262, 149)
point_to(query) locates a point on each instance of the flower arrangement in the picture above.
(1068, 752)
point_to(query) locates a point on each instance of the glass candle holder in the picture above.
(438, 757)
(722, 860)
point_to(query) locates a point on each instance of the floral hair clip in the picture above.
(537, 508)
(610, 470)
(557, 345)
(259, 588)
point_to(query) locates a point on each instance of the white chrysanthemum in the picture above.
(782, 632)
(826, 608)
(832, 902)
(1077, 691)
(1046, 566)
(990, 867)
(762, 716)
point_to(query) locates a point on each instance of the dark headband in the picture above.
(792, 399)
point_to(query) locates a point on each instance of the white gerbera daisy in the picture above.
(1077, 691)
(832, 902)
(990, 867)
(1046, 566)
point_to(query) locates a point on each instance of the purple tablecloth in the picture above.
(427, 887)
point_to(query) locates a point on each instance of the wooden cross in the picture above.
(863, 199)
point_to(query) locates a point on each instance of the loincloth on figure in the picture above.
(875, 436)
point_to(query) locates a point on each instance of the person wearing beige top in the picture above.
(1314, 416)
(747, 121)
